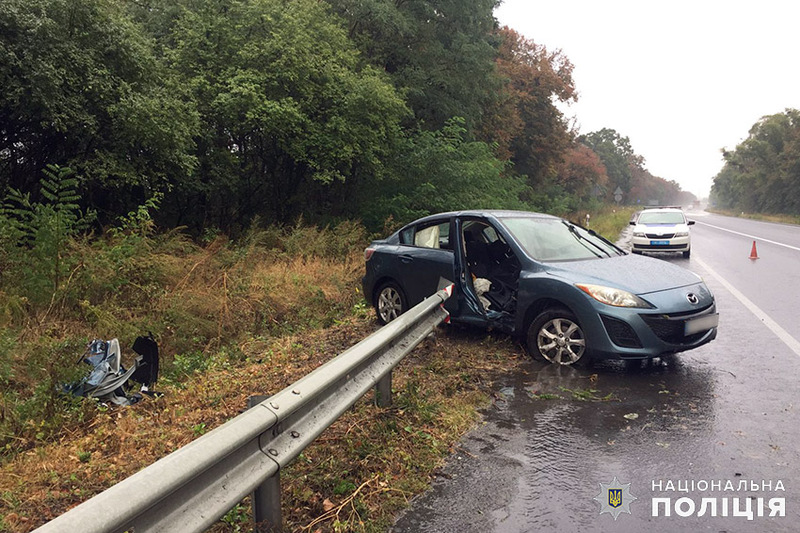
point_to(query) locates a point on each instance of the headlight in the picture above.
(638, 234)
(610, 296)
(682, 234)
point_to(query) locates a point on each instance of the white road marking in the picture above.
(781, 333)
(750, 236)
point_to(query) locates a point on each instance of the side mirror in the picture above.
(690, 222)
(633, 223)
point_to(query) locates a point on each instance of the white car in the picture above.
(664, 229)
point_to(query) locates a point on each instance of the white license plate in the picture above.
(703, 323)
(659, 243)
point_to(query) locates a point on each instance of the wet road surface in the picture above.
(725, 414)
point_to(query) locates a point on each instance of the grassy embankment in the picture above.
(232, 320)
(609, 221)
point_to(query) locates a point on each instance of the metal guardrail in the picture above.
(194, 486)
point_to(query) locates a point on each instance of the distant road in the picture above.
(771, 282)
(786, 235)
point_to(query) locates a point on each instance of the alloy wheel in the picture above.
(390, 304)
(561, 341)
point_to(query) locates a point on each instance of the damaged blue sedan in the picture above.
(569, 294)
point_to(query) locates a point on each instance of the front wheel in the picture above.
(556, 336)
(390, 302)
(687, 253)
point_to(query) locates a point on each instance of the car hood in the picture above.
(634, 273)
(650, 227)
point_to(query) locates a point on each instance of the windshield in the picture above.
(553, 239)
(668, 217)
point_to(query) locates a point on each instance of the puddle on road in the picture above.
(554, 432)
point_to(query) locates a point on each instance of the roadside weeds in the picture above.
(355, 477)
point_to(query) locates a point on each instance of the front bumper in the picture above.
(642, 333)
(638, 334)
(660, 244)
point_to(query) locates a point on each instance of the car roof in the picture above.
(496, 213)
(660, 209)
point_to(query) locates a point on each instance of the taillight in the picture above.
(368, 253)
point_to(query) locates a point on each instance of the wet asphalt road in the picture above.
(724, 413)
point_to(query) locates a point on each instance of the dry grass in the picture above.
(201, 303)
(353, 478)
(606, 220)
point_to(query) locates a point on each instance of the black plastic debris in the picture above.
(109, 381)
(147, 372)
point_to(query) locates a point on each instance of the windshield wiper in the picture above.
(583, 239)
(616, 248)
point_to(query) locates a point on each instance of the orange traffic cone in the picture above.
(753, 252)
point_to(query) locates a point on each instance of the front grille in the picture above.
(621, 333)
(655, 236)
(661, 246)
(670, 328)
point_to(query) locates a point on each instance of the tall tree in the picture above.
(439, 53)
(649, 189)
(523, 120)
(617, 155)
(442, 171)
(582, 173)
(292, 121)
(82, 87)
(763, 173)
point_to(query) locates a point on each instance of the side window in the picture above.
(429, 236)
(444, 235)
(407, 236)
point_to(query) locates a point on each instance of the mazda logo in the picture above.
(693, 299)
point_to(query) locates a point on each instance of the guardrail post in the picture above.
(383, 390)
(266, 497)
(267, 506)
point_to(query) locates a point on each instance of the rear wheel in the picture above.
(390, 302)
(556, 336)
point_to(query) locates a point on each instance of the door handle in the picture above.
(405, 258)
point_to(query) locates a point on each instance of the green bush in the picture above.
(37, 233)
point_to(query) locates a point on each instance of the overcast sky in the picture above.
(680, 79)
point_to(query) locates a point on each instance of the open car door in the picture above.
(488, 274)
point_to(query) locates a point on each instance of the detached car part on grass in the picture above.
(570, 294)
(109, 381)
